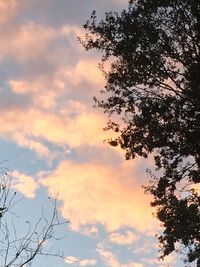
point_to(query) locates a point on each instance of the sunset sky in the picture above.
(51, 137)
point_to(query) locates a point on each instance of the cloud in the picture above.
(16, 126)
(27, 42)
(91, 231)
(87, 262)
(145, 247)
(37, 90)
(24, 184)
(37, 86)
(109, 259)
(32, 39)
(169, 260)
(8, 9)
(74, 131)
(70, 30)
(37, 48)
(100, 194)
(39, 148)
(88, 70)
(73, 12)
(80, 262)
(71, 259)
(123, 239)
(32, 127)
(49, 97)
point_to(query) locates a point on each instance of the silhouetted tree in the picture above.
(17, 248)
(153, 84)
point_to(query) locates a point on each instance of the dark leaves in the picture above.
(153, 88)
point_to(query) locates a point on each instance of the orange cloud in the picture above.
(88, 70)
(79, 130)
(85, 70)
(27, 127)
(94, 194)
(10, 120)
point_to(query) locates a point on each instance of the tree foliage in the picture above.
(153, 84)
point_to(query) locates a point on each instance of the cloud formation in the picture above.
(30, 128)
(38, 100)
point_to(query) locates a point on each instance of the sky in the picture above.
(52, 138)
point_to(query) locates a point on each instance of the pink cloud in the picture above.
(38, 90)
(28, 42)
(7, 10)
(74, 124)
(29, 127)
(31, 42)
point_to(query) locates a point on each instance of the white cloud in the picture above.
(87, 262)
(71, 260)
(24, 184)
(80, 262)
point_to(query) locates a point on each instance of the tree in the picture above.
(153, 85)
(17, 249)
